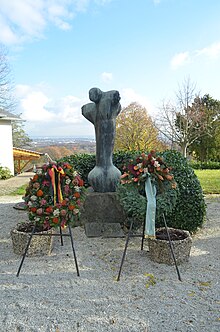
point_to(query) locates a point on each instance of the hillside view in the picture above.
(58, 147)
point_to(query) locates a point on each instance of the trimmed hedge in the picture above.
(205, 165)
(189, 211)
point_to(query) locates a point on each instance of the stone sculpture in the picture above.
(104, 177)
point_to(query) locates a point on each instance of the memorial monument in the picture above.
(102, 212)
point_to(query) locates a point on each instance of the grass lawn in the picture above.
(20, 191)
(210, 180)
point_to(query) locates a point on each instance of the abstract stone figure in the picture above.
(104, 177)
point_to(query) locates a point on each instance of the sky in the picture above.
(145, 49)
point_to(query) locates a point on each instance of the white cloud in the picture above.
(22, 90)
(129, 96)
(180, 59)
(34, 107)
(22, 20)
(106, 77)
(212, 51)
(45, 116)
(7, 36)
(70, 110)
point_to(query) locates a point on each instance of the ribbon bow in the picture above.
(54, 174)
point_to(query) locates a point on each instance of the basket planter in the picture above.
(39, 245)
(159, 247)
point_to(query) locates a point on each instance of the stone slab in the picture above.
(106, 230)
(105, 212)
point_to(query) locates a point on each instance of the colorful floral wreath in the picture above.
(138, 169)
(54, 195)
(136, 172)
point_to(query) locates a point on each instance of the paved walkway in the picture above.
(10, 185)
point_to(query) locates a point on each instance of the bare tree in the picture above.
(7, 100)
(182, 122)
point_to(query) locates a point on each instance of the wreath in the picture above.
(54, 195)
(131, 191)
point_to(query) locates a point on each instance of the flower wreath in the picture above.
(54, 195)
(142, 166)
(136, 172)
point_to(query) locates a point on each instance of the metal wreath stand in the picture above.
(61, 234)
(129, 235)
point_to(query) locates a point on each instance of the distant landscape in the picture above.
(58, 147)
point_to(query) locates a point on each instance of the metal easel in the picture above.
(129, 235)
(61, 234)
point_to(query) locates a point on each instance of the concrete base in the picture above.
(102, 215)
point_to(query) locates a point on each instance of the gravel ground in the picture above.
(10, 185)
(49, 296)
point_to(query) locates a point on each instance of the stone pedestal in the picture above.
(102, 215)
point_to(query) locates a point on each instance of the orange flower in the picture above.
(49, 209)
(77, 195)
(33, 209)
(40, 193)
(35, 177)
(160, 177)
(64, 202)
(168, 177)
(55, 220)
(135, 168)
(71, 207)
(124, 175)
(81, 182)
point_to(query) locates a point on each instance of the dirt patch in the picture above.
(175, 234)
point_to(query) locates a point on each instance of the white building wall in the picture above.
(6, 145)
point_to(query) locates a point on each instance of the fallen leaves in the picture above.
(150, 280)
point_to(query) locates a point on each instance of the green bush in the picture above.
(121, 157)
(189, 212)
(5, 173)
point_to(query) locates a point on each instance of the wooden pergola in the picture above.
(25, 155)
